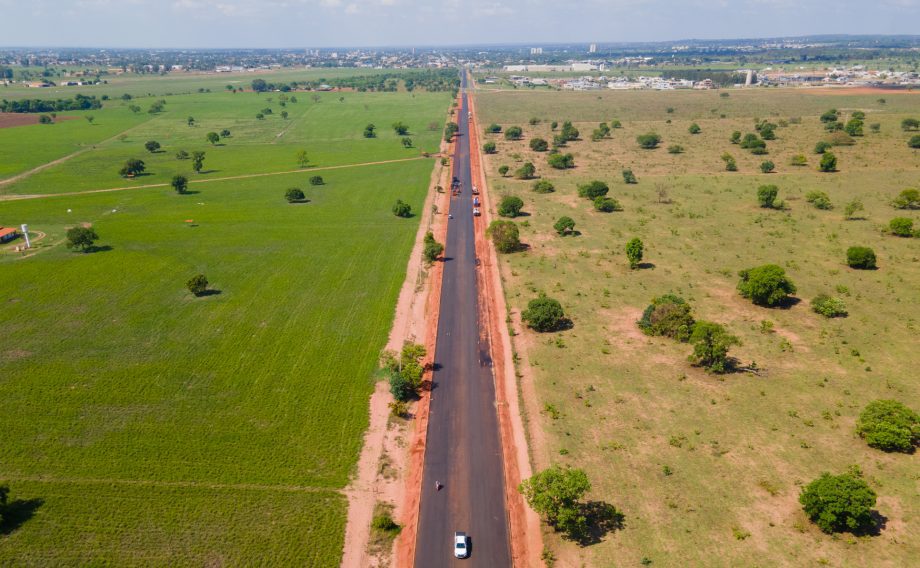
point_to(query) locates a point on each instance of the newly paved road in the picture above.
(463, 449)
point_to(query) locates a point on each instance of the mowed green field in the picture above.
(145, 426)
(330, 130)
(623, 406)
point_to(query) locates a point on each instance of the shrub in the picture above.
(607, 204)
(569, 133)
(828, 162)
(432, 248)
(489, 148)
(854, 127)
(765, 285)
(503, 170)
(152, 146)
(401, 209)
(890, 426)
(401, 387)
(182, 155)
(822, 147)
(648, 141)
(526, 171)
(839, 503)
(668, 316)
(561, 161)
(907, 199)
(564, 225)
(634, 249)
(736, 137)
(751, 141)
(902, 227)
(543, 314)
(505, 236)
(539, 145)
(179, 183)
(493, 129)
(711, 343)
(766, 196)
(513, 133)
(914, 141)
(730, 164)
(829, 116)
(197, 284)
(294, 194)
(385, 523)
(829, 306)
(798, 160)
(862, 258)
(629, 176)
(910, 124)
(852, 208)
(819, 199)
(767, 166)
(759, 151)
(694, 129)
(510, 206)
(675, 149)
(543, 186)
(592, 190)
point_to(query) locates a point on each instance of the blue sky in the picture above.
(320, 23)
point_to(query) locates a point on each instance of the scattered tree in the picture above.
(569, 133)
(401, 209)
(513, 133)
(543, 314)
(767, 166)
(592, 190)
(890, 426)
(828, 162)
(197, 161)
(564, 225)
(852, 208)
(539, 145)
(819, 200)
(400, 129)
(902, 227)
(432, 249)
(907, 199)
(730, 164)
(838, 503)
(561, 161)
(182, 155)
(910, 124)
(213, 138)
(543, 186)
(634, 249)
(225, 133)
(766, 196)
(799, 160)
(179, 183)
(829, 116)
(629, 177)
(152, 146)
(493, 129)
(862, 258)
(607, 204)
(526, 171)
(914, 141)
(668, 316)
(828, 306)
(510, 206)
(736, 137)
(316, 180)
(284, 114)
(822, 147)
(406, 142)
(89, 118)
(294, 195)
(505, 236)
(648, 141)
(711, 343)
(302, 159)
(370, 131)
(190, 121)
(554, 494)
(694, 129)
(81, 238)
(765, 285)
(132, 168)
(503, 170)
(489, 148)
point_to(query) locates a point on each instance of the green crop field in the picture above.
(151, 427)
(706, 468)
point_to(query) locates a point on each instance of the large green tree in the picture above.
(765, 285)
(555, 494)
(543, 314)
(81, 238)
(179, 183)
(711, 342)
(890, 426)
(510, 206)
(838, 503)
(505, 236)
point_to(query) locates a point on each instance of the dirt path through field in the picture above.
(14, 197)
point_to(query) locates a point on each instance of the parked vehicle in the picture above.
(475, 211)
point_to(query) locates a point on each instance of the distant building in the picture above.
(536, 51)
(592, 48)
(7, 234)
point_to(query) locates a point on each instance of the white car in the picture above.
(476, 212)
(461, 545)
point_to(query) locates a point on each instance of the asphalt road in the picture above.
(463, 449)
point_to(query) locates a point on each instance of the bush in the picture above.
(736, 137)
(711, 343)
(766, 196)
(914, 141)
(197, 284)
(822, 147)
(767, 166)
(561, 161)
(543, 186)
(839, 503)
(829, 116)
(505, 236)
(489, 148)
(385, 523)
(432, 249)
(543, 314)
(607, 204)
(569, 133)
(910, 124)
(564, 225)
(513, 133)
(401, 209)
(862, 258)
(593, 190)
(675, 149)
(294, 194)
(648, 141)
(829, 306)
(634, 249)
(907, 199)
(819, 200)
(503, 170)
(510, 206)
(890, 426)
(852, 208)
(317, 180)
(730, 164)
(752, 142)
(539, 145)
(493, 129)
(668, 316)
(854, 127)
(401, 387)
(629, 176)
(828, 162)
(799, 160)
(765, 285)
(694, 129)
(152, 146)
(902, 227)
(526, 171)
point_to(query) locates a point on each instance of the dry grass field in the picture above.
(707, 468)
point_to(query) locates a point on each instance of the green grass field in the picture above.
(329, 130)
(149, 427)
(623, 406)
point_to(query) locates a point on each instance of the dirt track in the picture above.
(13, 119)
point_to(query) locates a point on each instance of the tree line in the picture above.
(78, 102)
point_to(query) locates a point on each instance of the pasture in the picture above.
(707, 468)
(146, 426)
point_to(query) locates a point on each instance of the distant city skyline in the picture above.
(337, 23)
